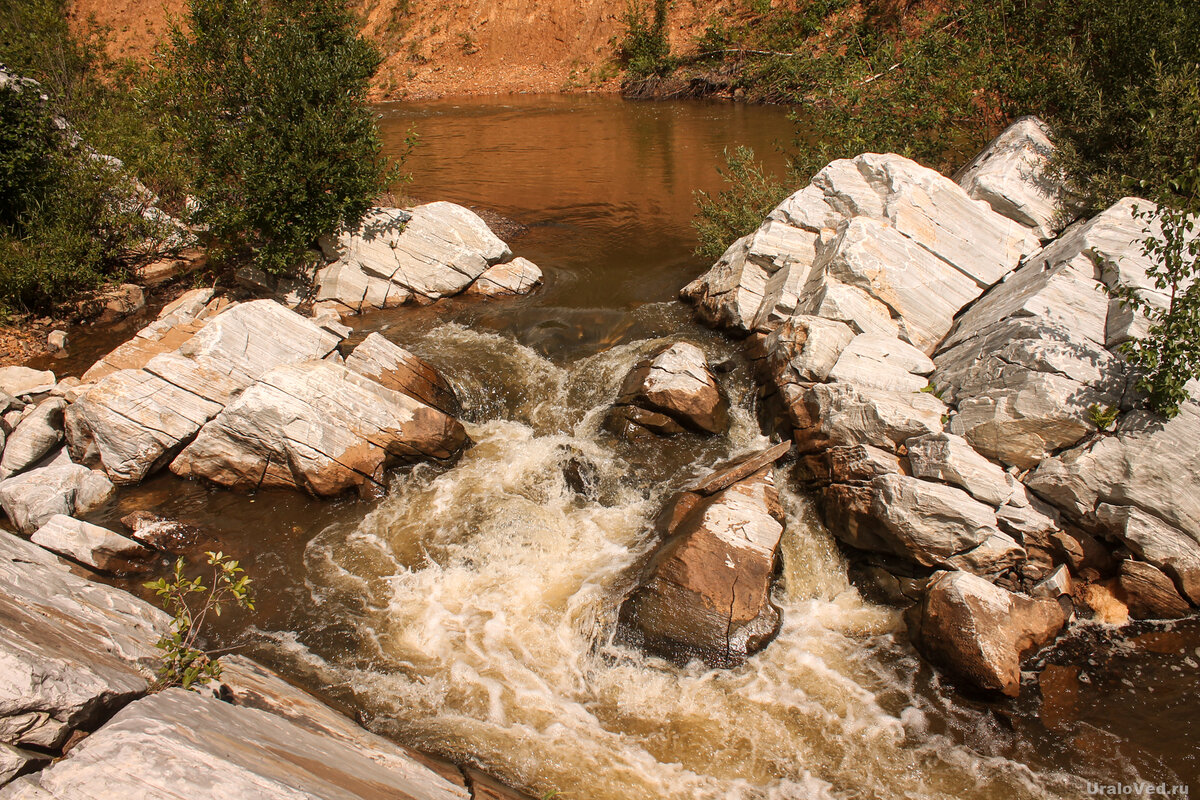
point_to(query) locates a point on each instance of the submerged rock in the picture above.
(979, 632)
(706, 591)
(91, 545)
(671, 391)
(318, 427)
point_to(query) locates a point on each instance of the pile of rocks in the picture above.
(940, 354)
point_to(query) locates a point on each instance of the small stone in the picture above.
(57, 340)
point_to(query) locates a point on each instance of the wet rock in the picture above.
(32, 498)
(737, 469)
(1149, 463)
(706, 591)
(950, 459)
(519, 276)
(677, 389)
(317, 427)
(74, 651)
(36, 435)
(160, 533)
(22, 381)
(398, 369)
(1149, 593)
(1011, 175)
(91, 545)
(394, 256)
(133, 422)
(1158, 543)
(979, 632)
(181, 744)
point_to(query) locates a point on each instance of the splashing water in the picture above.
(483, 603)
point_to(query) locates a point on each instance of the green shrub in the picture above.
(267, 99)
(645, 50)
(185, 663)
(738, 209)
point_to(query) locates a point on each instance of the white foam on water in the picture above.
(486, 597)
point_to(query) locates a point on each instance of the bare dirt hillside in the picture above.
(454, 46)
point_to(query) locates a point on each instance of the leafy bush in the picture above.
(70, 221)
(738, 209)
(645, 50)
(184, 662)
(267, 99)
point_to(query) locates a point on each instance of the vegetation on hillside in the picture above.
(257, 111)
(1117, 80)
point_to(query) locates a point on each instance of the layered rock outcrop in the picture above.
(942, 357)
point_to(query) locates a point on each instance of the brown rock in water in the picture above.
(1149, 593)
(396, 368)
(739, 468)
(669, 392)
(706, 592)
(979, 632)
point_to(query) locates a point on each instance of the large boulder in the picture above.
(134, 421)
(32, 498)
(318, 427)
(706, 591)
(669, 392)
(860, 244)
(395, 256)
(979, 632)
(1012, 176)
(840, 414)
(396, 368)
(73, 651)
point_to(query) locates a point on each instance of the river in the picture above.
(471, 611)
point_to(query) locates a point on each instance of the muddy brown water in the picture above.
(470, 612)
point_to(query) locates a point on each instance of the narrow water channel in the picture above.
(471, 611)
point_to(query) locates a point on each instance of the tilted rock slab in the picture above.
(71, 651)
(319, 427)
(862, 244)
(706, 592)
(435, 250)
(180, 744)
(670, 392)
(133, 422)
(92, 545)
(1012, 176)
(387, 363)
(37, 434)
(979, 632)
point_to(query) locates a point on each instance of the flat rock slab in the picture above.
(71, 651)
(19, 381)
(178, 744)
(92, 545)
(318, 427)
